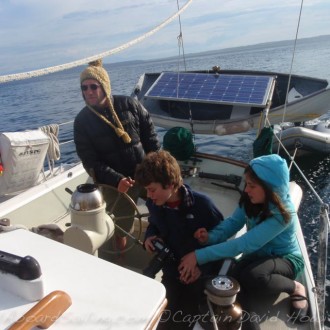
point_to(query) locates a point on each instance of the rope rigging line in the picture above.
(180, 40)
(62, 67)
(181, 45)
(51, 131)
(291, 66)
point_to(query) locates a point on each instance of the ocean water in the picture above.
(56, 99)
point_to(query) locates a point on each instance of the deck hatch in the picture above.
(250, 90)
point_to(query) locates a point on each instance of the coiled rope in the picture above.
(62, 67)
(53, 152)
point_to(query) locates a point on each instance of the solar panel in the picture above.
(213, 88)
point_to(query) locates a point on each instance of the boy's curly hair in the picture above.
(161, 167)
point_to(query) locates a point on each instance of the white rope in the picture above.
(62, 67)
(53, 152)
(213, 317)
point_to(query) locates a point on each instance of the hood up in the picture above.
(273, 170)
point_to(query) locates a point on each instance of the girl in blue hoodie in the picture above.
(271, 258)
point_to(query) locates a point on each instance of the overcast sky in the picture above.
(36, 34)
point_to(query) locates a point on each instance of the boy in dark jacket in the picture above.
(176, 212)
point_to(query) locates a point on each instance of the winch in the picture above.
(225, 312)
(90, 226)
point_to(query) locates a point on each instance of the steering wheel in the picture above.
(132, 239)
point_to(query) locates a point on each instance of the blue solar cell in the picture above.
(215, 88)
(220, 88)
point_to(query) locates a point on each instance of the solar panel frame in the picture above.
(249, 90)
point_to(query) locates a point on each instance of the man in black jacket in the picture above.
(112, 134)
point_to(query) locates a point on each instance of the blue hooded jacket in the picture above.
(271, 237)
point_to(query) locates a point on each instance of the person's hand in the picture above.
(187, 266)
(201, 235)
(196, 273)
(149, 245)
(125, 184)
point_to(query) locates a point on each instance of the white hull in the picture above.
(48, 203)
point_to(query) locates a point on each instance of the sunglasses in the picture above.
(93, 87)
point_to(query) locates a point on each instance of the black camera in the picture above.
(158, 261)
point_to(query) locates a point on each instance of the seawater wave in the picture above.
(56, 98)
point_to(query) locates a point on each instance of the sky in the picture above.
(36, 34)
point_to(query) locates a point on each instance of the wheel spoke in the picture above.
(133, 238)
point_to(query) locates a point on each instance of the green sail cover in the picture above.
(263, 144)
(179, 142)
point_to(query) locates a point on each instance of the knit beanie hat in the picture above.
(96, 71)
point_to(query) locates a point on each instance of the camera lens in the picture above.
(157, 262)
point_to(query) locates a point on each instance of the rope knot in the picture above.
(122, 134)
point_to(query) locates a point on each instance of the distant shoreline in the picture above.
(228, 50)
